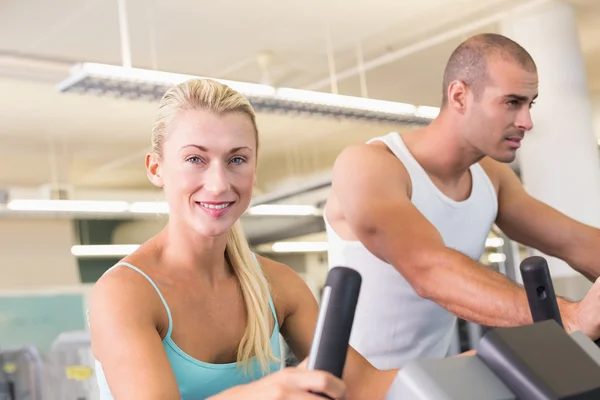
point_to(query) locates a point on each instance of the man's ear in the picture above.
(457, 96)
(153, 169)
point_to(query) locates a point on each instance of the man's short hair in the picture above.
(468, 62)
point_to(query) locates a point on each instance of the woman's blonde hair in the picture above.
(205, 94)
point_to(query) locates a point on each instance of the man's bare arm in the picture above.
(534, 223)
(371, 187)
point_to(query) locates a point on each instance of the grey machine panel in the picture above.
(586, 344)
(461, 378)
(456, 378)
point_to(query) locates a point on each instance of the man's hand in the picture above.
(585, 315)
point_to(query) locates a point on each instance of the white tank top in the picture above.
(393, 325)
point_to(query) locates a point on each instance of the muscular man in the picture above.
(411, 213)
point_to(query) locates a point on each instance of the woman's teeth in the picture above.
(215, 206)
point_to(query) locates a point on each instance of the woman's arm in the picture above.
(363, 381)
(124, 310)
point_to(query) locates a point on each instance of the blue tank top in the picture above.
(196, 379)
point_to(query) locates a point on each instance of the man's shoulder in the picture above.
(497, 172)
(364, 173)
(372, 157)
(371, 147)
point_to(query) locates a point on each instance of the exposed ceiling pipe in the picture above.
(280, 195)
(124, 34)
(150, 11)
(425, 44)
(135, 157)
(24, 61)
(32, 69)
(331, 59)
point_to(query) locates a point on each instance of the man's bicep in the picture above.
(375, 203)
(126, 343)
(394, 230)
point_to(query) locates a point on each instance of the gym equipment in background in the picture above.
(22, 373)
(71, 368)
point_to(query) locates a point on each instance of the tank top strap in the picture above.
(481, 177)
(155, 288)
(396, 145)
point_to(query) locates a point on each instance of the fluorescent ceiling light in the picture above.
(494, 242)
(149, 207)
(68, 205)
(144, 207)
(263, 209)
(496, 257)
(104, 250)
(299, 247)
(143, 84)
(127, 80)
(283, 209)
(427, 112)
(349, 102)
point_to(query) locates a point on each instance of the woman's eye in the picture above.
(194, 159)
(238, 160)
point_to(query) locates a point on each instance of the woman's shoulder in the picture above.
(278, 273)
(285, 283)
(127, 273)
(127, 288)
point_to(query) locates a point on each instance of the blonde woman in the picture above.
(193, 313)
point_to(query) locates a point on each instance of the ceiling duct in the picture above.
(281, 195)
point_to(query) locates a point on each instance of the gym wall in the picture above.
(35, 253)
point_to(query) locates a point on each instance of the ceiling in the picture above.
(87, 142)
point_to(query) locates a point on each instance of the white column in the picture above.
(596, 112)
(559, 158)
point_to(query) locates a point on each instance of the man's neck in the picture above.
(442, 151)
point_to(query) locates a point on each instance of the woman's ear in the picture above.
(153, 169)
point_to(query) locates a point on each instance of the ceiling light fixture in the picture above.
(91, 206)
(144, 207)
(149, 207)
(142, 84)
(496, 257)
(299, 247)
(283, 210)
(494, 242)
(103, 250)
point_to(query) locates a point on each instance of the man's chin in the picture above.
(504, 157)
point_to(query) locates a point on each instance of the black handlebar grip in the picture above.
(334, 325)
(539, 289)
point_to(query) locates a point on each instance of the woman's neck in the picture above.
(183, 249)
